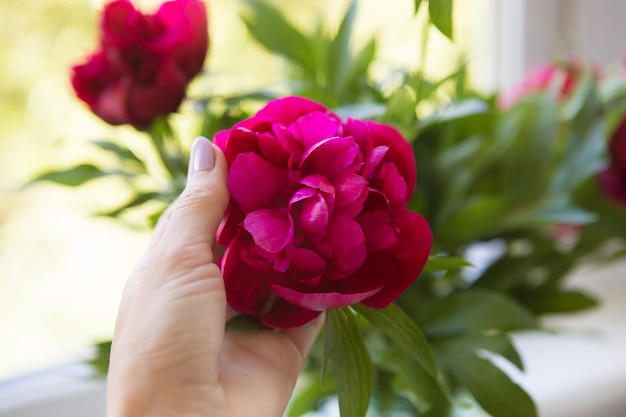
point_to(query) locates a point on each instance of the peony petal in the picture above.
(314, 215)
(287, 110)
(360, 131)
(229, 226)
(348, 243)
(283, 315)
(613, 184)
(410, 255)
(305, 259)
(372, 161)
(253, 182)
(161, 98)
(392, 185)
(378, 230)
(349, 187)
(315, 127)
(320, 301)
(272, 150)
(319, 182)
(185, 40)
(270, 229)
(400, 153)
(246, 288)
(330, 157)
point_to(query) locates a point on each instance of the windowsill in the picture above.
(578, 372)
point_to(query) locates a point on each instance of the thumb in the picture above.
(194, 217)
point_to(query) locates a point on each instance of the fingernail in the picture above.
(202, 156)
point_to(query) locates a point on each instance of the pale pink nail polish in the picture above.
(202, 156)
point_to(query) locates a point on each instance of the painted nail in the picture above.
(202, 156)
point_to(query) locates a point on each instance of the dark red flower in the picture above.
(145, 61)
(318, 216)
(613, 178)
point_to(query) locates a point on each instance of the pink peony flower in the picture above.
(144, 63)
(542, 77)
(318, 215)
(613, 178)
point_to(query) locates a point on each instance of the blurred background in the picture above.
(62, 270)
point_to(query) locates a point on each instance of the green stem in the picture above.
(168, 150)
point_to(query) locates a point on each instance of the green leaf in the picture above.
(401, 107)
(136, 201)
(123, 153)
(340, 56)
(562, 302)
(394, 322)
(100, 361)
(307, 397)
(476, 218)
(417, 3)
(72, 177)
(491, 387)
(476, 311)
(550, 211)
(444, 263)
(441, 15)
(455, 111)
(273, 31)
(500, 344)
(352, 366)
(244, 323)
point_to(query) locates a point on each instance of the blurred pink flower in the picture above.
(318, 215)
(542, 77)
(144, 61)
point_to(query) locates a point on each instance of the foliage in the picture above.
(519, 178)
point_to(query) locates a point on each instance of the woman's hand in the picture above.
(170, 356)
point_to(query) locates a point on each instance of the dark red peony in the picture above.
(613, 178)
(145, 61)
(318, 216)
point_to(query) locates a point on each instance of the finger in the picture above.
(161, 224)
(303, 337)
(195, 215)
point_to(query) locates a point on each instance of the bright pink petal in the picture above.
(319, 182)
(305, 259)
(287, 109)
(349, 187)
(400, 153)
(360, 131)
(409, 255)
(320, 301)
(221, 140)
(372, 161)
(272, 150)
(270, 229)
(348, 243)
(314, 214)
(253, 182)
(392, 185)
(330, 157)
(315, 127)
